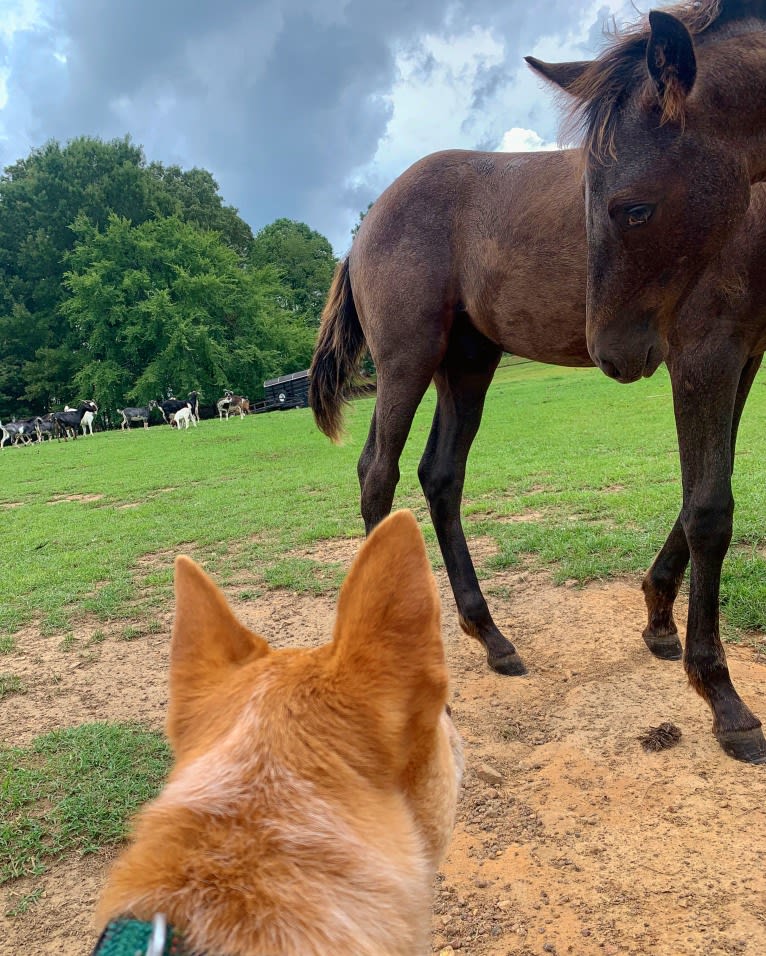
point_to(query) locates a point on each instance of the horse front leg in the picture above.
(462, 382)
(663, 579)
(704, 393)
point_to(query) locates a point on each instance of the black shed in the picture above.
(287, 391)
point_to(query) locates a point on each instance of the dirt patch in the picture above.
(524, 517)
(162, 560)
(57, 499)
(12, 504)
(571, 838)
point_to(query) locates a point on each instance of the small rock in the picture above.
(489, 775)
(447, 951)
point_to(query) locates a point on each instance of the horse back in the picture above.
(499, 236)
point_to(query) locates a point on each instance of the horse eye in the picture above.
(638, 215)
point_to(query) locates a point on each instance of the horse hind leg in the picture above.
(398, 395)
(462, 382)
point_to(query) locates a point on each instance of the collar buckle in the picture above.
(159, 935)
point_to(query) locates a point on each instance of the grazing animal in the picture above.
(171, 405)
(66, 424)
(230, 403)
(436, 294)
(45, 427)
(314, 789)
(18, 433)
(86, 425)
(183, 416)
(141, 414)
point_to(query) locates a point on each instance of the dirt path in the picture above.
(571, 839)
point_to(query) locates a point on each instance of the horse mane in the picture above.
(608, 81)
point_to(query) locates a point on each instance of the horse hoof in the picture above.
(746, 745)
(666, 646)
(510, 665)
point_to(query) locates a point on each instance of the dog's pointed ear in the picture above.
(208, 643)
(388, 647)
(562, 75)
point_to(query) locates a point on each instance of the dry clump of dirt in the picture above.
(571, 839)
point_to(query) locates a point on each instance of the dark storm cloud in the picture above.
(281, 100)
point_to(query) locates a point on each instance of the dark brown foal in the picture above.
(471, 254)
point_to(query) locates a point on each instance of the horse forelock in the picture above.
(609, 81)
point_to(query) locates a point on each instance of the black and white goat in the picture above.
(67, 424)
(172, 405)
(136, 415)
(86, 425)
(17, 433)
(232, 403)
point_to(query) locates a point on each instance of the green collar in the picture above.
(132, 937)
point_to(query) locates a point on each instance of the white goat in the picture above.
(184, 416)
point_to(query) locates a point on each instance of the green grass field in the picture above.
(89, 530)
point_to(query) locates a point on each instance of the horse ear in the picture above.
(562, 74)
(671, 62)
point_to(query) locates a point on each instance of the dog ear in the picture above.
(388, 646)
(208, 643)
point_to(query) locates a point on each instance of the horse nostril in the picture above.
(608, 368)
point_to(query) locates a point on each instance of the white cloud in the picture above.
(431, 99)
(18, 15)
(520, 140)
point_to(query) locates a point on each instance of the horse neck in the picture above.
(731, 93)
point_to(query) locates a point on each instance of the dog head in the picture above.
(313, 791)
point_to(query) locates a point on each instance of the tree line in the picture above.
(121, 279)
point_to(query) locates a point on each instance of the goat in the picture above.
(67, 423)
(183, 416)
(15, 433)
(231, 402)
(45, 427)
(86, 425)
(136, 415)
(170, 406)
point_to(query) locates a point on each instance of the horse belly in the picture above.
(536, 327)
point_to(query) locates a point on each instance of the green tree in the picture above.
(168, 305)
(41, 198)
(304, 261)
(360, 220)
(192, 195)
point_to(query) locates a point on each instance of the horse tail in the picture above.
(338, 351)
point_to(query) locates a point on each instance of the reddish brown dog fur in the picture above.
(314, 790)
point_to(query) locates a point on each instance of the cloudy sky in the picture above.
(299, 108)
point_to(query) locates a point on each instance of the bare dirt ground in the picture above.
(570, 839)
